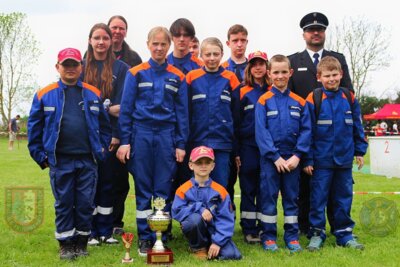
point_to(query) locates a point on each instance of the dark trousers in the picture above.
(120, 191)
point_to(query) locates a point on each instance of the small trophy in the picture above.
(127, 239)
(158, 222)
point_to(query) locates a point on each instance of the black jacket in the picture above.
(304, 78)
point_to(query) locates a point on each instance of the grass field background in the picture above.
(39, 248)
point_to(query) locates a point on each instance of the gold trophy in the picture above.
(158, 222)
(127, 239)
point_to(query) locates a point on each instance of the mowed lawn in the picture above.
(39, 248)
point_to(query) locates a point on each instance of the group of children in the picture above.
(201, 116)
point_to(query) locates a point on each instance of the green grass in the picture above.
(39, 248)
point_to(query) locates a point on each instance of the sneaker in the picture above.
(252, 239)
(200, 254)
(270, 245)
(118, 231)
(93, 241)
(352, 243)
(315, 243)
(294, 246)
(109, 240)
(144, 246)
(67, 250)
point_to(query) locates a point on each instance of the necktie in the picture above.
(316, 61)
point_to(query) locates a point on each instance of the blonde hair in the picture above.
(279, 58)
(159, 29)
(328, 63)
(211, 41)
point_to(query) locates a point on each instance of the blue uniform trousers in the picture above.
(249, 180)
(271, 182)
(103, 213)
(199, 233)
(73, 182)
(221, 171)
(153, 166)
(339, 182)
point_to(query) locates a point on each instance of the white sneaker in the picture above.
(109, 240)
(93, 241)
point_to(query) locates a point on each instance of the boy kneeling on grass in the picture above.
(204, 209)
(338, 136)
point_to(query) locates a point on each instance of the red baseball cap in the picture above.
(69, 53)
(201, 152)
(258, 54)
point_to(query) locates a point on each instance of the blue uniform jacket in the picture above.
(283, 125)
(155, 97)
(338, 134)
(45, 119)
(245, 100)
(231, 65)
(191, 198)
(190, 62)
(211, 108)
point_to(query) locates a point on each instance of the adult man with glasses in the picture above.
(303, 81)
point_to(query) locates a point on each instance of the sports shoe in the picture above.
(294, 246)
(315, 243)
(118, 231)
(67, 250)
(270, 245)
(144, 246)
(93, 241)
(352, 243)
(109, 240)
(200, 254)
(252, 239)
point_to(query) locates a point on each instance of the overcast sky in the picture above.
(273, 25)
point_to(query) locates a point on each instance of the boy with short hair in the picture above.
(283, 133)
(338, 136)
(203, 207)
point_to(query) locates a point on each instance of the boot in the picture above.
(67, 249)
(81, 245)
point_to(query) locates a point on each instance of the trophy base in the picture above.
(127, 260)
(165, 257)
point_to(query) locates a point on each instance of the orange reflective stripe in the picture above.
(46, 89)
(225, 64)
(244, 90)
(310, 98)
(92, 88)
(233, 80)
(181, 191)
(220, 189)
(176, 71)
(194, 74)
(143, 66)
(265, 97)
(297, 98)
(197, 60)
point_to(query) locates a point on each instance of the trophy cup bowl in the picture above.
(158, 222)
(127, 239)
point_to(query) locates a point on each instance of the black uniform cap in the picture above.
(314, 19)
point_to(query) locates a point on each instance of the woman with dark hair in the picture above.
(102, 70)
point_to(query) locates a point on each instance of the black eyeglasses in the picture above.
(70, 64)
(182, 34)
